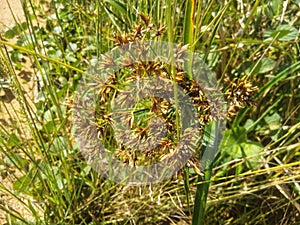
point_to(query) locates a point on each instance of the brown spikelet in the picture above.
(239, 94)
(145, 19)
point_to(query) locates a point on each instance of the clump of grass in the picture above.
(135, 69)
(258, 160)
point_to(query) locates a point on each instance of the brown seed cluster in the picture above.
(143, 30)
(238, 94)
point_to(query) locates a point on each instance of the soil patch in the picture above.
(9, 108)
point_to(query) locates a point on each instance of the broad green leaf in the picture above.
(15, 31)
(73, 46)
(27, 183)
(275, 6)
(263, 66)
(63, 80)
(61, 182)
(10, 34)
(273, 121)
(248, 123)
(236, 145)
(282, 33)
(279, 77)
(123, 9)
(16, 56)
(233, 137)
(49, 126)
(252, 150)
(266, 65)
(85, 171)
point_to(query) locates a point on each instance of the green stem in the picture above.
(201, 196)
(188, 36)
(172, 60)
(188, 39)
(203, 182)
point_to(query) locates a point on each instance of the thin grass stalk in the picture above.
(188, 39)
(111, 15)
(51, 181)
(170, 26)
(25, 106)
(188, 35)
(99, 25)
(215, 24)
(27, 150)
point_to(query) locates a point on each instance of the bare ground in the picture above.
(9, 104)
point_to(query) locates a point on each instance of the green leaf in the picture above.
(263, 66)
(266, 65)
(13, 141)
(14, 159)
(233, 137)
(279, 77)
(19, 66)
(273, 121)
(236, 145)
(251, 148)
(24, 26)
(282, 33)
(73, 46)
(16, 30)
(48, 116)
(16, 56)
(10, 34)
(275, 6)
(86, 170)
(61, 182)
(248, 124)
(27, 183)
(118, 5)
(123, 9)
(22, 184)
(63, 80)
(49, 127)
(70, 57)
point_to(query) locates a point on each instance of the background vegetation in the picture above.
(255, 178)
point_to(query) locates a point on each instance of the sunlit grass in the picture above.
(55, 184)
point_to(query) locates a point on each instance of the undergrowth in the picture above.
(251, 47)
